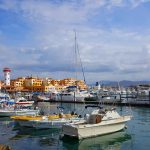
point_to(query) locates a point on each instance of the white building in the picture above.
(7, 76)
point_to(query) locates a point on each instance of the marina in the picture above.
(130, 138)
(75, 75)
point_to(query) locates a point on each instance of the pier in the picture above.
(103, 103)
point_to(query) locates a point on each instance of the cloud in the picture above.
(74, 11)
(136, 3)
(45, 44)
(101, 52)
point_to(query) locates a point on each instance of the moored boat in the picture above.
(54, 123)
(18, 112)
(21, 101)
(50, 121)
(99, 122)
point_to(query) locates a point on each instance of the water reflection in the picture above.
(34, 138)
(23, 132)
(6, 121)
(6, 126)
(29, 139)
(112, 141)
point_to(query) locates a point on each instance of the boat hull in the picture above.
(24, 123)
(41, 124)
(47, 124)
(71, 98)
(91, 130)
(7, 113)
(55, 123)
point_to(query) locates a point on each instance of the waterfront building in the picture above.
(19, 82)
(81, 85)
(60, 88)
(33, 81)
(68, 82)
(36, 84)
(55, 82)
(0, 85)
(74, 82)
(47, 81)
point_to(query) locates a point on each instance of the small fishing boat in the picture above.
(5, 98)
(56, 123)
(42, 122)
(17, 112)
(27, 121)
(99, 122)
(23, 102)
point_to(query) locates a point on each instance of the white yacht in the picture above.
(71, 96)
(21, 101)
(99, 122)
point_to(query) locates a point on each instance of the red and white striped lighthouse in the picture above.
(7, 76)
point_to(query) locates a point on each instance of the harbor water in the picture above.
(135, 137)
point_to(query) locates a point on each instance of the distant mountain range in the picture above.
(124, 83)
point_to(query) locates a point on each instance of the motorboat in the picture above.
(17, 112)
(109, 141)
(24, 102)
(72, 96)
(10, 108)
(54, 123)
(42, 98)
(5, 98)
(101, 121)
(43, 122)
(26, 121)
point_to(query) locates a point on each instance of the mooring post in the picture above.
(120, 97)
(149, 97)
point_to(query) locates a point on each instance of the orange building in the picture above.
(19, 82)
(55, 82)
(35, 84)
(68, 82)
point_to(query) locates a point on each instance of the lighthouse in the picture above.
(7, 76)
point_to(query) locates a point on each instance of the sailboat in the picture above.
(75, 94)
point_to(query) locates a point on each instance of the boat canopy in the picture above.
(60, 107)
(72, 87)
(100, 107)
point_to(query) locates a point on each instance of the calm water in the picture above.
(135, 137)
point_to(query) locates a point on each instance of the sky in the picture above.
(37, 37)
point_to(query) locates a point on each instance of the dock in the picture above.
(103, 103)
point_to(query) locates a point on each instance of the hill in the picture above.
(124, 83)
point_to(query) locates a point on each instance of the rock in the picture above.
(4, 147)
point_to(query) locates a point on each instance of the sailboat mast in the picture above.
(81, 65)
(77, 51)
